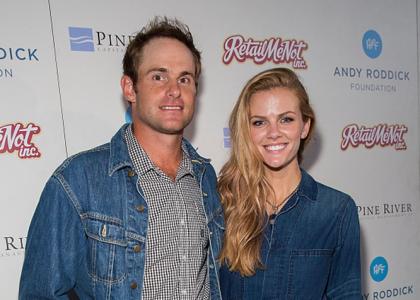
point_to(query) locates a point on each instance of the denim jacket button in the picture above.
(131, 173)
(133, 285)
(140, 208)
(137, 248)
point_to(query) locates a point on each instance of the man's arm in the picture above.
(55, 239)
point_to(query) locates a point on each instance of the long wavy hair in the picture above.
(242, 183)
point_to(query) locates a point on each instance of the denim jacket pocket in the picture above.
(107, 249)
(308, 273)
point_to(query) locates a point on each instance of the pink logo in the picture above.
(275, 50)
(17, 137)
(382, 135)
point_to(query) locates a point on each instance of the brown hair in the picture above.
(159, 27)
(242, 184)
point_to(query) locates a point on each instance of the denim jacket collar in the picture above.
(119, 157)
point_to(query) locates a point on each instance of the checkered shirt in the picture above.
(177, 238)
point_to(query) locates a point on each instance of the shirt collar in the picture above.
(307, 189)
(142, 162)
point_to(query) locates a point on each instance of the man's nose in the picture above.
(173, 89)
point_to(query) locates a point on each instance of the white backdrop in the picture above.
(361, 72)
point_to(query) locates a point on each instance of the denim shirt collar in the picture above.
(119, 157)
(307, 189)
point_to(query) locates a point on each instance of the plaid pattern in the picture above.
(177, 237)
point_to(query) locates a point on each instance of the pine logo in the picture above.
(81, 39)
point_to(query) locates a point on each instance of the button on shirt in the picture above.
(177, 236)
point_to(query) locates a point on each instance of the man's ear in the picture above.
(127, 87)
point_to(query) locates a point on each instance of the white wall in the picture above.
(75, 100)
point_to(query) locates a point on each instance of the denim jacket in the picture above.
(310, 250)
(89, 230)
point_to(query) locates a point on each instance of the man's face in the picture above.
(164, 96)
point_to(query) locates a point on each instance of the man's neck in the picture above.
(164, 150)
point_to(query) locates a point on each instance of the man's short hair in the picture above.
(159, 27)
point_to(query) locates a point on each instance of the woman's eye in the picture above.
(286, 119)
(257, 123)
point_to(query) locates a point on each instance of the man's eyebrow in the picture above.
(187, 73)
(162, 70)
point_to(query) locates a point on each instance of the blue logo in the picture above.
(81, 39)
(372, 44)
(379, 269)
(226, 135)
(128, 118)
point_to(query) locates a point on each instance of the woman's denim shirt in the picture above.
(89, 230)
(310, 250)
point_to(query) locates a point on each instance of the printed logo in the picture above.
(128, 118)
(371, 79)
(379, 269)
(276, 50)
(226, 137)
(81, 39)
(385, 210)
(90, 40)
(19, 54)
(12, 246)
(372, 43)
(18, 138)
(383, 135)
(16, 55)
(6, 73)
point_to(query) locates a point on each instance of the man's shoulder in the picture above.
(86, 159)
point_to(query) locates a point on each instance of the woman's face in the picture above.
(277, 127)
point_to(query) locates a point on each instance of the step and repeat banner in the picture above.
(60, 66)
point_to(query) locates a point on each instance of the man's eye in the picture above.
(158, 77)
(184, 80)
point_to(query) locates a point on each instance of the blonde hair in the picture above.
(242, 184)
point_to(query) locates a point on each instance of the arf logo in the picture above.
(378, 269)
(81, 39)
(18, 138)
(372, 43)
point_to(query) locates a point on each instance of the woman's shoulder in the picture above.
(325, 195)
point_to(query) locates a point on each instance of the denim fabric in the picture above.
(88, 233)
(310, 250)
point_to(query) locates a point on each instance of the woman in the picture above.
(287, 236)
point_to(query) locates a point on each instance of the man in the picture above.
(139, 217)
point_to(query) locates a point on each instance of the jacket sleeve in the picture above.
(55, 240)
(345, 278)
